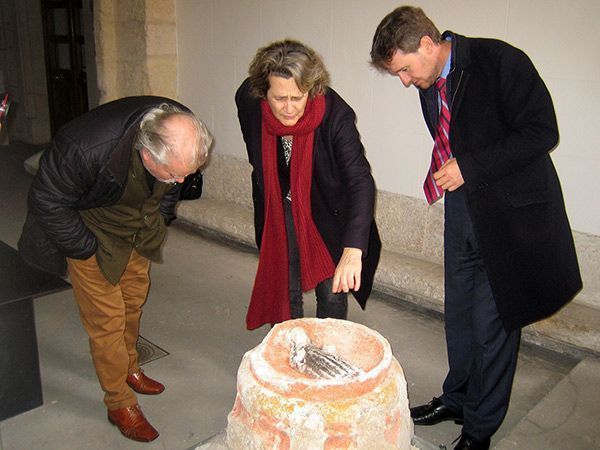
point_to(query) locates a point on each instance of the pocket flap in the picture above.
(527, 198)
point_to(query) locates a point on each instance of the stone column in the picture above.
(136, 48)
(161, 47)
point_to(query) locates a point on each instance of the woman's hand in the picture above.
(347, 272)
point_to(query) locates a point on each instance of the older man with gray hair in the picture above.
(100, 203)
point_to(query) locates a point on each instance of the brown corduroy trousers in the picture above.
(111, 317)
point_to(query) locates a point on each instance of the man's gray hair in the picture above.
(153, 136)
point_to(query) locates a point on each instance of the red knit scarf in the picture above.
(270, 296)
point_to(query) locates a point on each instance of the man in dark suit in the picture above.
(509, 253)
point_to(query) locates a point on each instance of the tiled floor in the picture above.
(196, 312)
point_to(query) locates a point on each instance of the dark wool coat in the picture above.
(85, 167)
(342, 190)
(502, 128)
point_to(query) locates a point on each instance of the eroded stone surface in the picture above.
(278, 407)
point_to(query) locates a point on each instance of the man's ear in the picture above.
(426, 45)
(145, 155)
(147, 160)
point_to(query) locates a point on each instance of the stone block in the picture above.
(400, 222)
(229, 179)
(413, 279)
(162, 76)
(132, 78)
(105, 43)
(588, 254)
(131, 10)
(104, 12)
(131, 41)
(108, 84)
(219, 219)
(161, 11)
(410, 226)
(161, 40)
(433, 242)
(575, 325)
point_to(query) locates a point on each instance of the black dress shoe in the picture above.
(434, 412)
(470, 443)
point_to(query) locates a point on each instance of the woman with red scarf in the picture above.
(312, 188)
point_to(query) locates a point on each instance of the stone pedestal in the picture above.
(279, 407)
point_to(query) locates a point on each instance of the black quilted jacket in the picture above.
(85, 167)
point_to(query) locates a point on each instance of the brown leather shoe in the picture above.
(132, 423)
(142, 384)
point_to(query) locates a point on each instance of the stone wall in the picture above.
(411, 266)
(136, 51)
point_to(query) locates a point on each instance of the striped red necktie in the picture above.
(441, 147)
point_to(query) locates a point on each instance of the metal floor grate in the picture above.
(147, 351)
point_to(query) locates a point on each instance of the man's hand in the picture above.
(347, 272)
(449, 177)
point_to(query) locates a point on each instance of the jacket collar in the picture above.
(456, 81)
(461, 60)
(461, 55)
